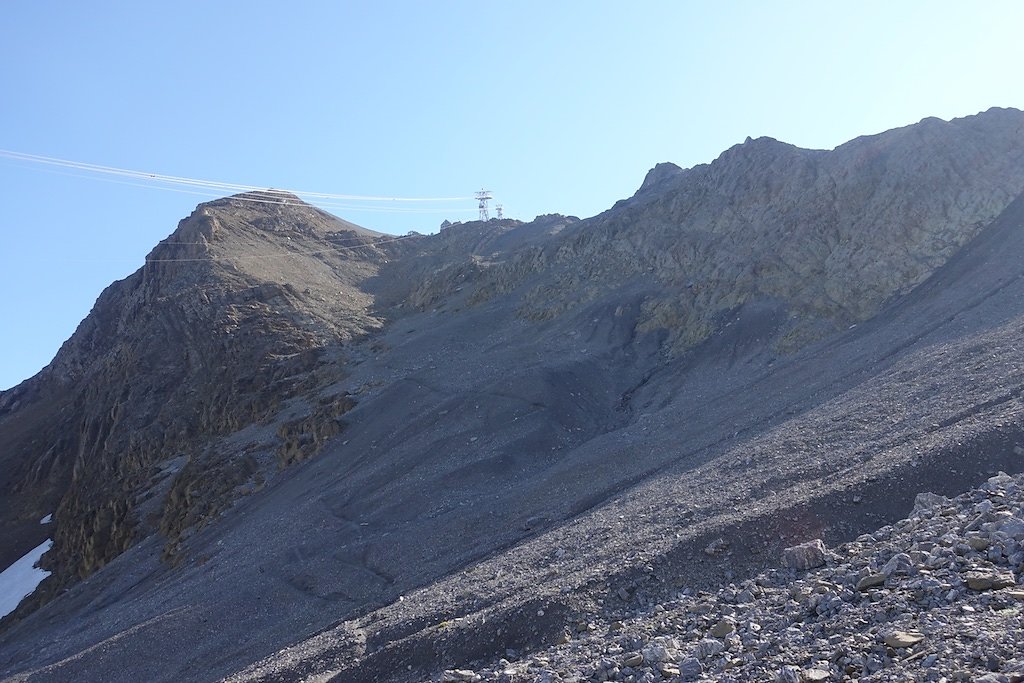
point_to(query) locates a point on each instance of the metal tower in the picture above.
(483, 196)
(497, 210)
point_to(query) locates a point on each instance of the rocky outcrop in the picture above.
(231, 316)
(303, 438)
(833, 235)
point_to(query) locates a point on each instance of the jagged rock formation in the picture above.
(393, 453)
(833, 235)
(215, 333)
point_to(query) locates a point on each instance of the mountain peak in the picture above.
(276, 211)
(659, 175)
(759, 149)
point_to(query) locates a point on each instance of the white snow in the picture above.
(21, 578)
(47, 519)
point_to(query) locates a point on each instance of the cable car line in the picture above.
(212, 185)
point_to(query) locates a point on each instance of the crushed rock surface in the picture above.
(934, 597)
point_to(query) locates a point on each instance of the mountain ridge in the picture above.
(425, 406)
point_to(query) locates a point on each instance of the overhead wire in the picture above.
(209, 184)
(257, 200)
(251, 194)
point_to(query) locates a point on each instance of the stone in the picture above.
(899, 563)
(870, 581)
(723, 627)
(633, 659)
(901, 639)
(804, 556)
(690, 668)
(928, 501)
(814, 675)
(709, 647)
(1013, 527)
(998, 480)
(460, 676)
(655, 653)
(978, 542)
(668, 670)
(716, 547)
(989, 580)
(788, 674)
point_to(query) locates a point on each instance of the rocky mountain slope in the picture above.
(115, 434)
(390, 456)
(931, 597)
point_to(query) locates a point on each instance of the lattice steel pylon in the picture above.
(484, 196)
(498, 211)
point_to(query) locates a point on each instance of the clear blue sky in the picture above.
(554, 106)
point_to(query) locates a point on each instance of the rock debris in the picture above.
(934, 597)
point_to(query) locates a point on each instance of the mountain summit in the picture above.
(291, 448)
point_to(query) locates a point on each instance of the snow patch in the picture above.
(21, 578)
(47, 519)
